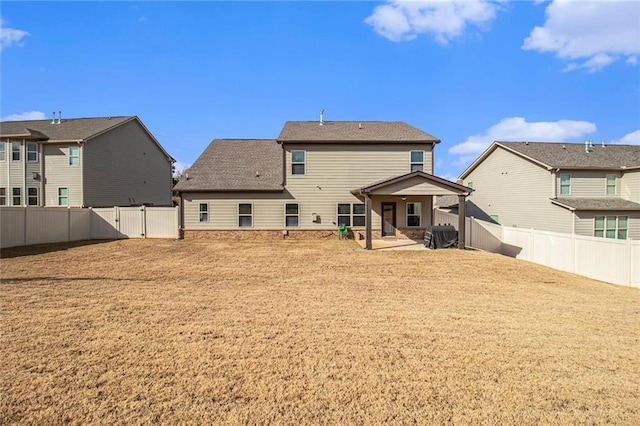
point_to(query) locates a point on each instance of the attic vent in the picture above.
(359, 125)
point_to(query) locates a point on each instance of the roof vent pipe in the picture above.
(602, 141)
(53, 120)
(586, 147)
(321, 117)
(59, 117)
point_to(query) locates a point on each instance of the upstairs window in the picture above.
(565, 184)
(32, 196)
(74, 155)
(298, 162)
(17, 197)
(413, 214)
(611, 184)
(2, 151)
(32, 152)
(203, 212)
(245, 215)
(3, 196)
(417, 161)
(292, 215)
(470, 186)
(15, 151)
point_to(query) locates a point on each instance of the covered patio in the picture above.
(411, 190)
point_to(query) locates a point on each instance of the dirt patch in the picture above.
(309, 332)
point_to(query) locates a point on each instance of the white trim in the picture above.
(287, 215)
(304, 163)
(245, 215)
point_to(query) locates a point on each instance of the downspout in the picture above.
(8, 154)
(23, 193)
(554, 183)
(181, 224)
(81, 161)
(42, 190)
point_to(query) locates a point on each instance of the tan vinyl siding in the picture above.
(60, 174)
(585, 223)
(332, 171)
(269, 211)
(518, 192)
(630, 186)
(124, 166)
(588, 183)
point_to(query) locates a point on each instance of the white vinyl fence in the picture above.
(21, 226)
(613, 261)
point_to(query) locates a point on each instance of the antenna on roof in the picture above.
(53, 120)
(59, 117)
(321, 117)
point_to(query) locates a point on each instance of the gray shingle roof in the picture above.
(72, 129)
(605, 204)
(236, 165)
(573, 155)
(353, 131)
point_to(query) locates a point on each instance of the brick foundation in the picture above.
(295, 234)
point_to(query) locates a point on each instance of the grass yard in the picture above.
(309, 332)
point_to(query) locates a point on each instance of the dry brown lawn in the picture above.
(309, 332)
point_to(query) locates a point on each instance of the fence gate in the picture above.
(104, 224)
(130, 222)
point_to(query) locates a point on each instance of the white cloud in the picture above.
(518, 129)
(632, 138)
(29, 115)
(445, 20)
(10, 36)
(590, 34)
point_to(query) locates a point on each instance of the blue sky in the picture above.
(468, 72)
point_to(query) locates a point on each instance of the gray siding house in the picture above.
(82, 162)
(586, 189)
(373, 177)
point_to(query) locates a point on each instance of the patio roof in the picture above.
(414, 183)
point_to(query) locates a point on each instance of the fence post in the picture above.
(24, 234)
(144, 222)
(630, 259)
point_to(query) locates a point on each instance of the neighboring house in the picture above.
(586, 189)
(374, 177)
(82, 162)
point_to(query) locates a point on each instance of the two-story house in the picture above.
(82, 162)
(373, 177)
(585, 189)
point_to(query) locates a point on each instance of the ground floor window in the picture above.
(32, 196)
(292, 215)
(611, 227)
(413, 214)
(203, 212)
(63, 197)
(245, 215)
(351, 214)
(17, 197)
(3, 196)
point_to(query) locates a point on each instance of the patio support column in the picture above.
(368, 236)
(461, 221)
